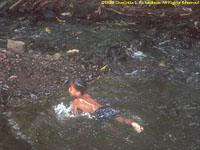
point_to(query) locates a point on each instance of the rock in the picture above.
(33, 96)
(56, 56)
(16, 46)
(49, 57)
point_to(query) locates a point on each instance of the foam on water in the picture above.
(64, 112)
(136, 53)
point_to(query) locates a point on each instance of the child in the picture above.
(86, 104)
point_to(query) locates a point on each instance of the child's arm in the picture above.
(74, 106)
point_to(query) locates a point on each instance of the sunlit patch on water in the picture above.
(64, 112)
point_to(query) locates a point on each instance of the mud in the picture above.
(32, 76)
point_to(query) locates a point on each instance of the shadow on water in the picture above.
(156, 89)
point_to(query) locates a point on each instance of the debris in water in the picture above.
(196, 25)
(63, 21)
(12, 77)
(47, 29)
(162, 64)
(66, 14)
(104, 67)
(72, 51)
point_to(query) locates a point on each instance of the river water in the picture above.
(158, 87)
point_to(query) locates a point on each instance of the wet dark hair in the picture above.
(80, 84)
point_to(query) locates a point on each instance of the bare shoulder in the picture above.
(76, 101)
(87, 96)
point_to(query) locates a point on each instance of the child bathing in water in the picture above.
(85, 103)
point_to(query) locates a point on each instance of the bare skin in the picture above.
(87, 104)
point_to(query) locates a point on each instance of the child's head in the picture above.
(78, 86)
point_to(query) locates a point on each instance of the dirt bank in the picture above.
(33, 76)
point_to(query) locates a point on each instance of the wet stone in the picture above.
(16, 46)
(56, 56)
(33, 96)
(49, 57)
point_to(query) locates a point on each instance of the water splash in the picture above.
(136, 53)
(64, 112)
